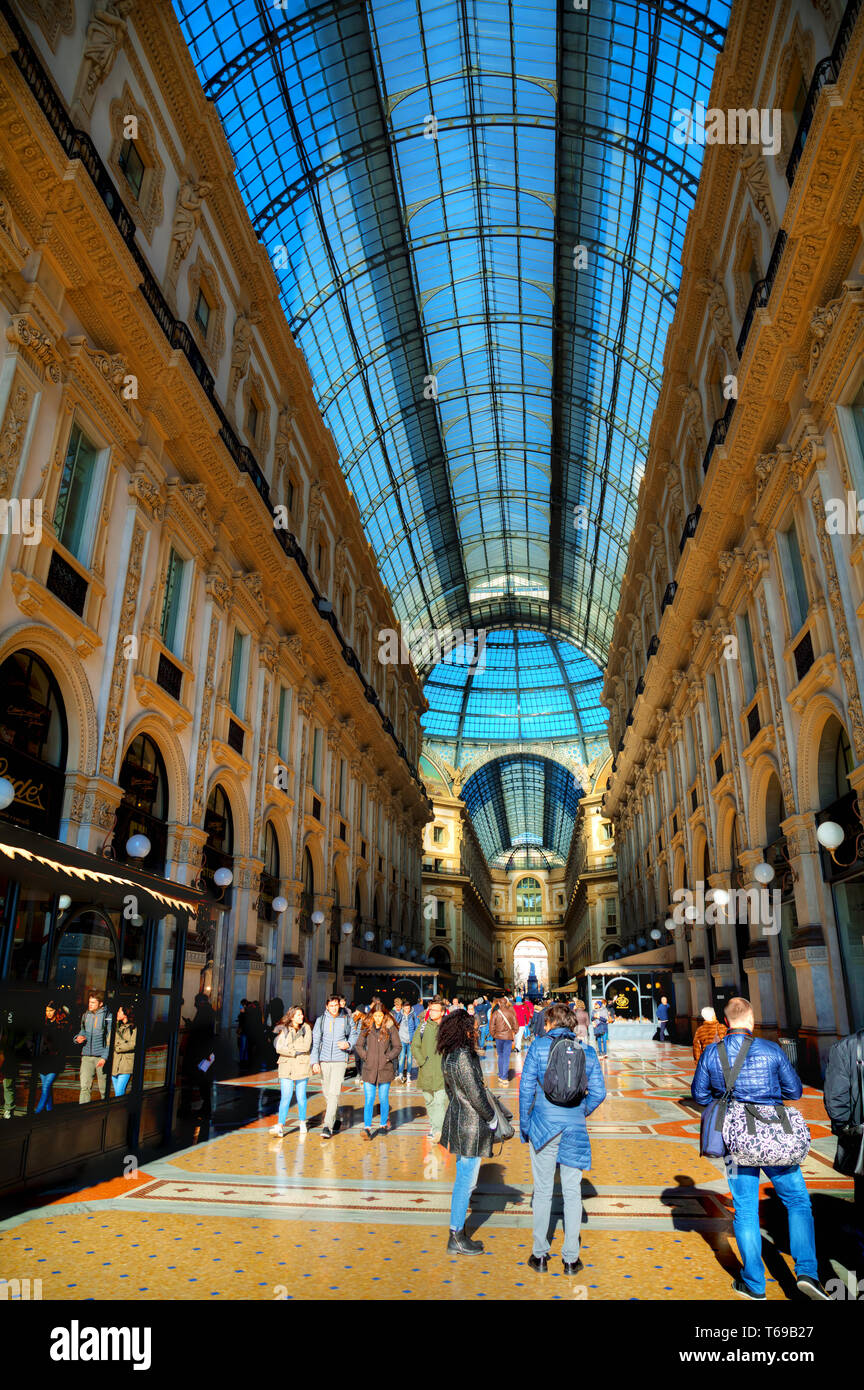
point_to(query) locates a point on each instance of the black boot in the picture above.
(461, 1244)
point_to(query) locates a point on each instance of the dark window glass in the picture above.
(132, 165)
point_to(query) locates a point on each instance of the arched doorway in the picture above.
(33, 742)
(267, 927)
(214, 915)
(144, 808)
(530, 967)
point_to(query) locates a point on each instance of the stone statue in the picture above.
(241, 351)
(106, 34)
(718, 312)
(756, 178)
(187, 215)
(691, 403)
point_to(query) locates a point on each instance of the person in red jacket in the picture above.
(521, 1019)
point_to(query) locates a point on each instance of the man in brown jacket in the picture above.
(503, 1025)
(707, 1033)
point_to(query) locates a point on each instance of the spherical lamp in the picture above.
(691, 912)
(720, 897)
(347, 928)
(830, 835)
(280, 905)
(413, 954)
(223, 877)
(7, 793)
(64, 901)
(387, 944)
(763, 873)
(656, 934)
(318, 917)
(138, 847)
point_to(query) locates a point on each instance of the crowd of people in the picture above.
(442, 1042)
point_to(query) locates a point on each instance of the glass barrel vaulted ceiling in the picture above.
(422, 172)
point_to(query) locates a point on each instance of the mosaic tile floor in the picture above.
(248, 1216)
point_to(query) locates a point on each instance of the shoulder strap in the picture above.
(731, 1074)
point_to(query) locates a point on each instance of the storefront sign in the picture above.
(38, 791)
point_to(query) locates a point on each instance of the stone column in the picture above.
(760, 961)
(814, 953)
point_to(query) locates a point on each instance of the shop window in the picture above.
(33, 742)
(158, 1041)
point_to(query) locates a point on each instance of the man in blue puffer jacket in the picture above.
(557, 1134)
(767, 1077)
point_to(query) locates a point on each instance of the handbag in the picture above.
(849, 1158)
(762, 1136)
(711, 1141)
(504, 1129)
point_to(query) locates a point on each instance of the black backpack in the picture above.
(565, 1081)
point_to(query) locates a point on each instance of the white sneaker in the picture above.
(278, 1131)
(302, 1129)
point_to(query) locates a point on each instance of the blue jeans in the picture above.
(602, 1041)
(484, 1034)
(46, 1099)
(543, 1164)
(121, 1082)
(790, 1187)
(286, 1088)
(404, 1063)
(503, 1046)
(466, 1178)
(369, 1103)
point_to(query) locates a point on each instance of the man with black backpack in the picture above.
(562, 1083)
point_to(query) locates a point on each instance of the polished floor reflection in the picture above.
(245, 1216)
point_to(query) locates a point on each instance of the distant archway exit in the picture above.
(530, 964)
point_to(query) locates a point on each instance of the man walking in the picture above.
(767, 1077)
(558, 1136)
(430, 1076)
(94, 1034)
(844, 1101)
(333, 1037)
(662, 1018)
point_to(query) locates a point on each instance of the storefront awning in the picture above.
(643, 963)
(60, 868)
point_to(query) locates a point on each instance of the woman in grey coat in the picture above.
(468, 1123)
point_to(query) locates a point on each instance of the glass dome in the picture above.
(525, 687)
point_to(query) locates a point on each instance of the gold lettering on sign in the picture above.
(26, 792)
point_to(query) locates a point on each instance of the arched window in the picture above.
(33, 742)
(308, 873)
(144, 808)
(219, 848)
(529, 901)
(269, 874)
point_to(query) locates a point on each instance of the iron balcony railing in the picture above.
(719, 431)
(690, 526)
(828, 71)
(78, 145)
(761, 292)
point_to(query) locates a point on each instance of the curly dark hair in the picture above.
(456, 1030)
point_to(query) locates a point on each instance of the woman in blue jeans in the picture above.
(469, 1122)
(56, 1043)
(600, 1024)
(377, 1048)
(292, 1038)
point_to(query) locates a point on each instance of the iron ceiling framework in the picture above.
(422, 173)
(525, 803)
(425, 171)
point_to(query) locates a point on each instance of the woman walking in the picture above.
(124, 1049)
(503, 1027)
(293, 1041)
(377, 1046)
(56, 1046)
(468, 1125)
(600, 1024)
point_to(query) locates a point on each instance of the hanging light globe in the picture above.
(387, 944)
(64, 901)
(656, 934)
(318, 917)
(720, 897)
(138, 847)
(280, 905)
(763, 873)
(7, 793)
(223, 877)
(347, 928)
(369, 936)
(669, 924)
(830, 835)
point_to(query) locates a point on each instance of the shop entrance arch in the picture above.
(530, 966)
